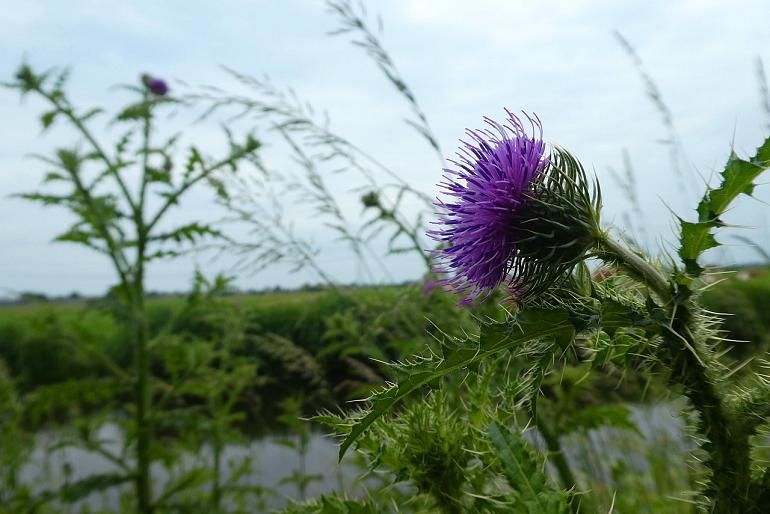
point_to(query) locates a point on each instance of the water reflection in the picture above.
(51, 465)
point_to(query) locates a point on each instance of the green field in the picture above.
(386, 323)
(287, 335)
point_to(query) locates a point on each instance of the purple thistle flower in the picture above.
(157, 86)
(487, 192)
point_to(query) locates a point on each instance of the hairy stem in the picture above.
(694, 367)
(638, 267)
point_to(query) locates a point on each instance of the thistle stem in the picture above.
(694, 367)
(638, 267)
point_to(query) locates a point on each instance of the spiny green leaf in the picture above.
(525, 473)
(157, 175)
(76, 235)
(137, 111)
(528, 325)
(47, 118)
(69, 160)
(45, 199)
(695, 239)
(52, 176)
(27, 80)
(188, 233)
(219, 188)
(194, 159)
(738, 177)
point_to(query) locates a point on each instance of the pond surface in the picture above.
(272, 462)
(593, 454)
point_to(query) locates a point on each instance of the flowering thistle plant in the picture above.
(513, 216)
(122, 220)
(517, 216)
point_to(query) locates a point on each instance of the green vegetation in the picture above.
(310, 344)
(610, 391)
(287, 335)
(743, 296)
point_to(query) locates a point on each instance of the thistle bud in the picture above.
(157, 86)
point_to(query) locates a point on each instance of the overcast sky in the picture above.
(462, 59)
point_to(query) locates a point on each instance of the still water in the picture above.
(272, 462)
(593, 454)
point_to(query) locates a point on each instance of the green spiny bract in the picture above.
(559, 226)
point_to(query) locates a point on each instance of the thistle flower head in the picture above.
(157, 86)
(512, 215)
